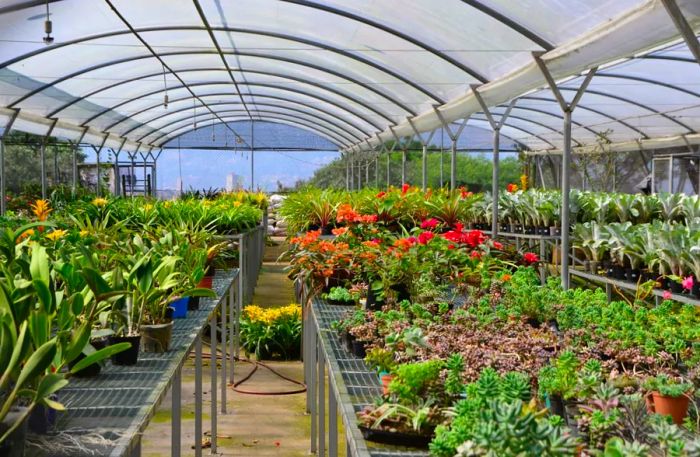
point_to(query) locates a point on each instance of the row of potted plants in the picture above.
(87, 282)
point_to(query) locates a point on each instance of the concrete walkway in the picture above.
(256, 425)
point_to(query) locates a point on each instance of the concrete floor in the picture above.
(256, 425)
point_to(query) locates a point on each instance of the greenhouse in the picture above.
(448, 228)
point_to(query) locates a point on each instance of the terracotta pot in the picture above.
(386, 379)
(676, 407)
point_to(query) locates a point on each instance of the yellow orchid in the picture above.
(100, 202)
(147, 207)
(84, 233)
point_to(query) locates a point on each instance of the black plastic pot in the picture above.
(349, 339)
(544, 231)
(156, 338)
(530, 230)
(94, 369)
(554, 231)
(13, 445)
(340, 302)
(618, 272)
(373, 303)
(676, 287)
(396, 438)
(193, 304)
(632, 275)
(42, 418)
(402, 292)
(696, 289)
(358, 348)
(326, 230)
(556, 406)
(131, 355)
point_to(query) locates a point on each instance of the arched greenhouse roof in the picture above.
(358, 73)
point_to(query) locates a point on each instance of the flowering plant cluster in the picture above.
(271, 332)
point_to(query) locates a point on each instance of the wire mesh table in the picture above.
(106, 415)
(351, 387)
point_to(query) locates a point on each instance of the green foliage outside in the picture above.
(473, 171)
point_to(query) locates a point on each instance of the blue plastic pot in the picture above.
(180, 308)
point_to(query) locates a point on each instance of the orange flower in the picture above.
(339, 231)
(24, 235)
(345, 213)
(41, 209)
(512, 187)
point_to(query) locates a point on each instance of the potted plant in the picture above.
(383, 362)
(669, 396)
(340, 296)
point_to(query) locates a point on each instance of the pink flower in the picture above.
(530, 258)
(429, 224)
(666, 295)
(424, 237)
(497, 245)
(687, 283)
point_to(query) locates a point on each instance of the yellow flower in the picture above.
(56, 235)
(523, 182)
(100, 201)
(26, 234)
(147, 207)
(237, 204)
(84, 233)
(41, 209)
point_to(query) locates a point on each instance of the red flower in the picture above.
(464, 193)
(530, 258)
(497, 245)
(277, 443)
(429, 224)
(405, 188)
(424, 237)
(367, 219)
(381, 194)
(475, 255)
(450, 246)
(512, 187)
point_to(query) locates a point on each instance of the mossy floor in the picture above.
(256, 425)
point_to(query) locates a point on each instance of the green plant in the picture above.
(560, 377)
(667, 386)
(340, 294)
(455, 367)
(271, 332)
(380, 360)
(415, 382)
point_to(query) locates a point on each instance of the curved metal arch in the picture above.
(662, 57)
(588, 108)
(535, 110)
(280, 36)
(514, 127)
(295, 123)
(377, 25)
(265, 73)
(648, 81)
(187, 119)
(220, 94)
(213, 83)
(527, 33)
(171, 112)
(632, 102)
(541, 124)
(369, 87)
(324, 122)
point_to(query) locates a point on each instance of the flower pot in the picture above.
(633, 274)
(618, 272)
(193, 304)
(206, 282)
(13, 446)
(402, 292)
(326, 230)
(676, 287)
(349, 339)
(386, 379)
(518, 229)
(504, 228)
(156, 338)
(593, 267)
(556, 405)
(676, 407)
(179, 307)
(42, 418)
(543, 231)
(373, 303)
(377, 435)
(358, 348)
(554, 231)
(91, 370)
(131, 355)
(529, 230)
(696, 289)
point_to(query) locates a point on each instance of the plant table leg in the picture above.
(312, 385)
(198, 396)
(212, 361)
(321, 402)
(224, 355)
(543, 267)
(332, 422)
(176, 414)
(232, 329)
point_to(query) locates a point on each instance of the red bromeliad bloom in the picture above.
(476, 255)
(464, 193)
(368, 219)
(345, 213)
(405, 188)
(530, 258)
(472, 238)
(381, 194)
(429, 224)
(497, 245)
(425, 237)
(512, 188)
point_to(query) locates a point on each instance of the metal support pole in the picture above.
(403, 167)
(376, 171)
(233, 315)
(425, 168)
(252, 156)
(347, 173)
(321, 402)
(565, 191)
(176, 414)
(312, 385)
(567, 109)
(74, 182)
(454, 136)
(198, 396)
(3, 180)
(212, 374)
(332, 422)
(683, 27)
(352, 170)
(388, 169)
(43, 159)
(224, 354)
(453, 165)
(98, 173)
(367, 173)
(494, 180)
(55, 166)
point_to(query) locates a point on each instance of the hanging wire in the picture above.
(48, 25)
(165, 85)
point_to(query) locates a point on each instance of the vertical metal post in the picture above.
(347, 172)
(425, 167)
(212, 373)
(388, 169)
(367, 173)
(74, 181)
(359, 174)
(117, 184)
(321, 402)
(332, 422)
(403, 166)
(565, 197)
(252, 156)
(97, 173)
(352, 170)
(376, 171)
(42, 158)
(55, 166)
(3, 181)
(453, 165)
(312, 385)
(176, 414)
(494, 179)
(198, 396)
(233, 315)
(224, 353)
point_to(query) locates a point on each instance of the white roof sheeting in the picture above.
(347, 69)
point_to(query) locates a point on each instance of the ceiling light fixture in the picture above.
(48, 26)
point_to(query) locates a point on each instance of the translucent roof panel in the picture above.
(355, 71)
